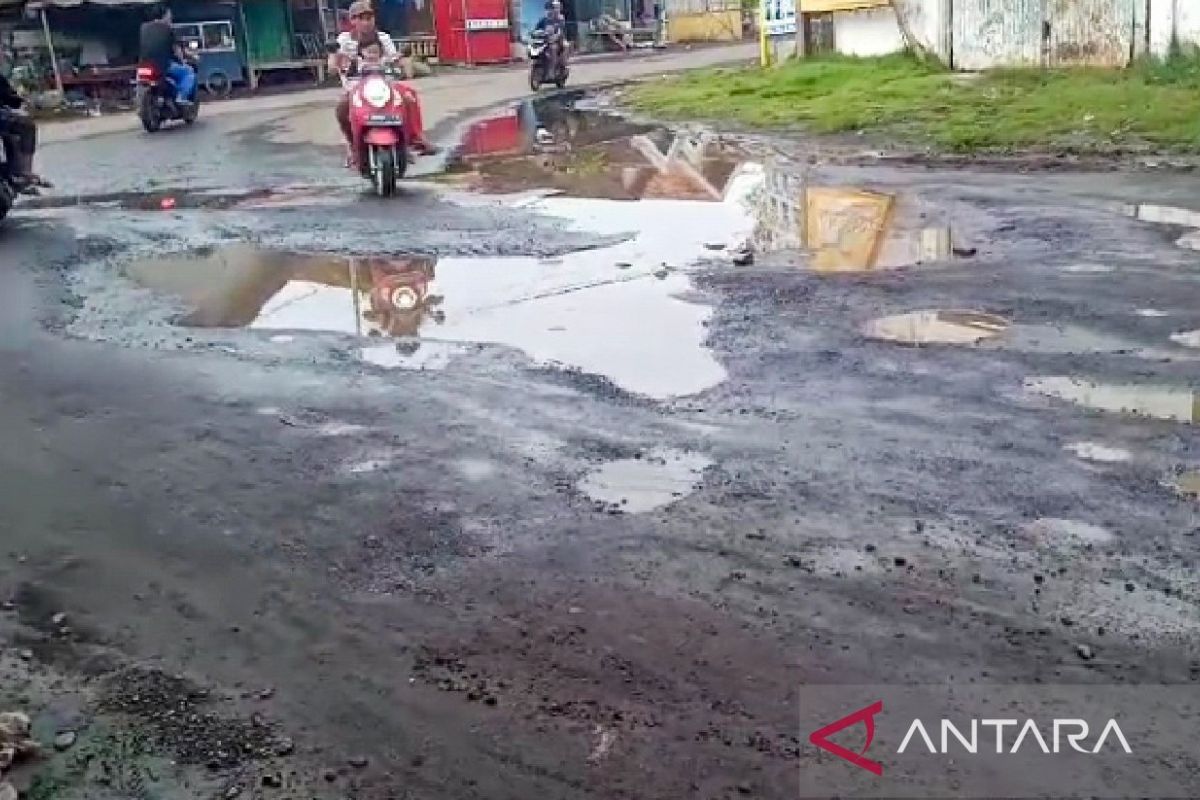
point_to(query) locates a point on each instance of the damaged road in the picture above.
(557, 475)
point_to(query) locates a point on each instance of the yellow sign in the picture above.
(824, 6)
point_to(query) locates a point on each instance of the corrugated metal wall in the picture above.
(1090, 32)
(997, 33)
(1177, 20)
(1029, 33)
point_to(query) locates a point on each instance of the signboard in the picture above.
(487, 24)
(780, 17)
(825, 6)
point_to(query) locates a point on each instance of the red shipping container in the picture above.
(473, 31)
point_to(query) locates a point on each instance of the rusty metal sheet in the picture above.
(997, 33)
(1097, 33)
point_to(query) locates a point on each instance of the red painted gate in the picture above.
(473, 31)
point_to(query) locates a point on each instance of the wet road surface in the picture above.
(556, 475)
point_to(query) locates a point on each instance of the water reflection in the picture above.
(1180, 405)
(846, 228)
(246, 286)
(936, 327)
(548, 143)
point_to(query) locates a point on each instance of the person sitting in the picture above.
(20, 136)
(554, 25)
(158, 46)
(350, 46)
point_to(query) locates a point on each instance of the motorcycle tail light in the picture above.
(145, 72)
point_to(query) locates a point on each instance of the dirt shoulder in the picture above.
(914, 111)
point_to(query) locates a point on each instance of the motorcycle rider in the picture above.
(20, 134)
(350, 44)
(158, 46)
(554, 25)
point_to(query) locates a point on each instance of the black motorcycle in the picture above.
(155, 98)
(8, 187)
(540, 55)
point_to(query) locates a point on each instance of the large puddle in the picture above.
(553, 144)
(616, 311)
(613, 312)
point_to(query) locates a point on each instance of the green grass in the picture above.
(1085, 110)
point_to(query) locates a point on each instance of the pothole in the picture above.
(1095, 451)
(1175, 216)
(1053, 530)
(1187, 338)
(563, 312)
(848, 228)
(1165, 215)
(936, 327)
(1156, 402)
(1188, 484)
(550, 144)
(657, 480)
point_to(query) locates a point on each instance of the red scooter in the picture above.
(379, 137)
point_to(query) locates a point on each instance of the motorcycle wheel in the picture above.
(386, 171)
(190, 116)
(7, 198)
(536, 77)
(148, 112)
(219, 84)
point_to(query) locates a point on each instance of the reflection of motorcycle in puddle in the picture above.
(243, 286)
(399, 298)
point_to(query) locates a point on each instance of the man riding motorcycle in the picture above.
(554, 25)
(158, 46)
(350, 44)
(20, 134)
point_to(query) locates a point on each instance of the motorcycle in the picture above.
(8, 187)
(11, 185)
(378, 135)
(155, 96)
(539, 61)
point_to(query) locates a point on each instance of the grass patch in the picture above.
(1086, 110)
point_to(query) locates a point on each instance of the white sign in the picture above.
(781, 17)
(487, 24)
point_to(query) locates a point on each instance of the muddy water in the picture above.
(615, 312)
(934, 327)
(552, 144)
(1157, 402)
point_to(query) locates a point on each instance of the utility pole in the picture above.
(801, 37)
(764, 43)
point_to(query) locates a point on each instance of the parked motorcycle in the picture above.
(155, 95)
(540, 58)
(378, 135)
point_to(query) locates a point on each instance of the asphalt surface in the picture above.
(588, 532)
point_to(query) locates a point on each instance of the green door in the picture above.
(268, 32)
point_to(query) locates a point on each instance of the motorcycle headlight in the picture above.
(404, 299)
(377, 92)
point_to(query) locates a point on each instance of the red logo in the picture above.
(867, 717)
